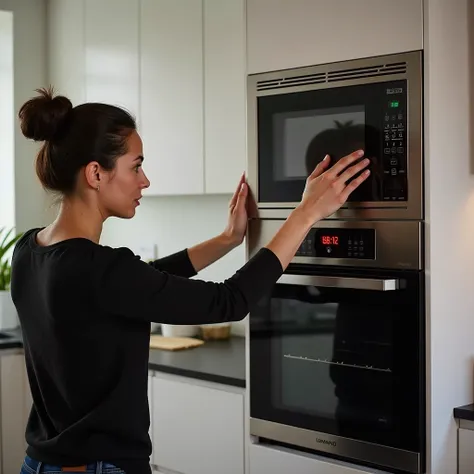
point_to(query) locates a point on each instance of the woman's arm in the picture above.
(190, 261)
(177, 264)
(127, 286)
(206, 253)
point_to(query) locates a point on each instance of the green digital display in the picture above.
(394, 104)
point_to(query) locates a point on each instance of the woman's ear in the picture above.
(93, 174)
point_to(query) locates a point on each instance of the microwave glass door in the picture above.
(342, 359)
(296, 130)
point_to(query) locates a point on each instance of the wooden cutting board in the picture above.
(173, 343)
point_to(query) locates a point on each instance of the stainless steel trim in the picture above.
(398, 244)
(287, 80)
(379, 455)
(341, 282)
(413, 208)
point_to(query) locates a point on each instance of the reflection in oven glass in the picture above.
(335, 358)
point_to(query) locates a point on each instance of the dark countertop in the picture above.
(214, 361)
(13, 341)
(465, 412)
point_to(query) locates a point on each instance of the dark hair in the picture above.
(73, 137)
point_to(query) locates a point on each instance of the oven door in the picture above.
(336, 365)
(296, 117)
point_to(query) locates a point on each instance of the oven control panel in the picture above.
(339, 243)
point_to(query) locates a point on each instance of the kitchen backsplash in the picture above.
(173, 223)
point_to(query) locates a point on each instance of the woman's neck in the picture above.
(76, 218)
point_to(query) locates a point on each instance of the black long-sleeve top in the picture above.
(85, 312)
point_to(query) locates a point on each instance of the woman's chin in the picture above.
(124, 214)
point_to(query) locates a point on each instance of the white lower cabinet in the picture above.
(265, 460)
(198, 427)
(15, 406)
(466, 449)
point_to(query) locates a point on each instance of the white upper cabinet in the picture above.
(224, 94)
(285, 34)
(171, 95)
(177, 66)
(66, 59)
(112, 53)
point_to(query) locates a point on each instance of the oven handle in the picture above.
(373, 284)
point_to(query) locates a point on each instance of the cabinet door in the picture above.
(197, 429)
(112, 53)
(13, 395)
(465, 451)
(171, 95)
(284, 34)
(265, 459)
(225, 94)
(66, 58)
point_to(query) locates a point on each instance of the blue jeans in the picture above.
(30, 466)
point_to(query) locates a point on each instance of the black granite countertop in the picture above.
(11, 339)
(214, 361)
(465, 412)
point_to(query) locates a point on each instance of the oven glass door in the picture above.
(296, 130)
(342, 355)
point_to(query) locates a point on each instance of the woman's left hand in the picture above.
(237, 224)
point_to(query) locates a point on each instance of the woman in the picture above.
(85, 309)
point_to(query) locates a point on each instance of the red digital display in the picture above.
(330, 240)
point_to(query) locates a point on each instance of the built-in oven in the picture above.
(297, 116)
(337, 348)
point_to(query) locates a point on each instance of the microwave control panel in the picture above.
(395, 145)
(339, 243)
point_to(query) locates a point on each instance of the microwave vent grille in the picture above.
(379, 70)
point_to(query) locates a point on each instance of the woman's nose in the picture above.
(146, 181)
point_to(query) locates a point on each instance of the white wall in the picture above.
(450, 222)
(7, 176)
(173, 223)
(29, 50)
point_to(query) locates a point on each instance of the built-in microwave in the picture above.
(297, 116)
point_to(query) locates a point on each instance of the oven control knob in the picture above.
(328, 249)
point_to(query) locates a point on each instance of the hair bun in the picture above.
(43, 117)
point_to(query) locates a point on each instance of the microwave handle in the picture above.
(373, 284)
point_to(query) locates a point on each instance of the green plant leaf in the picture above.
(4, 284)
(8, 245)
(7, 241)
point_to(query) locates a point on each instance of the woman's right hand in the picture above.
(325, 192)
(326, 189)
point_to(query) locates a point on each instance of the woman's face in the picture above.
(122, 191)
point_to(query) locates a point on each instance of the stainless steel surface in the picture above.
(341, 282)
(358, 450)
(368, 70)
(398, 244)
